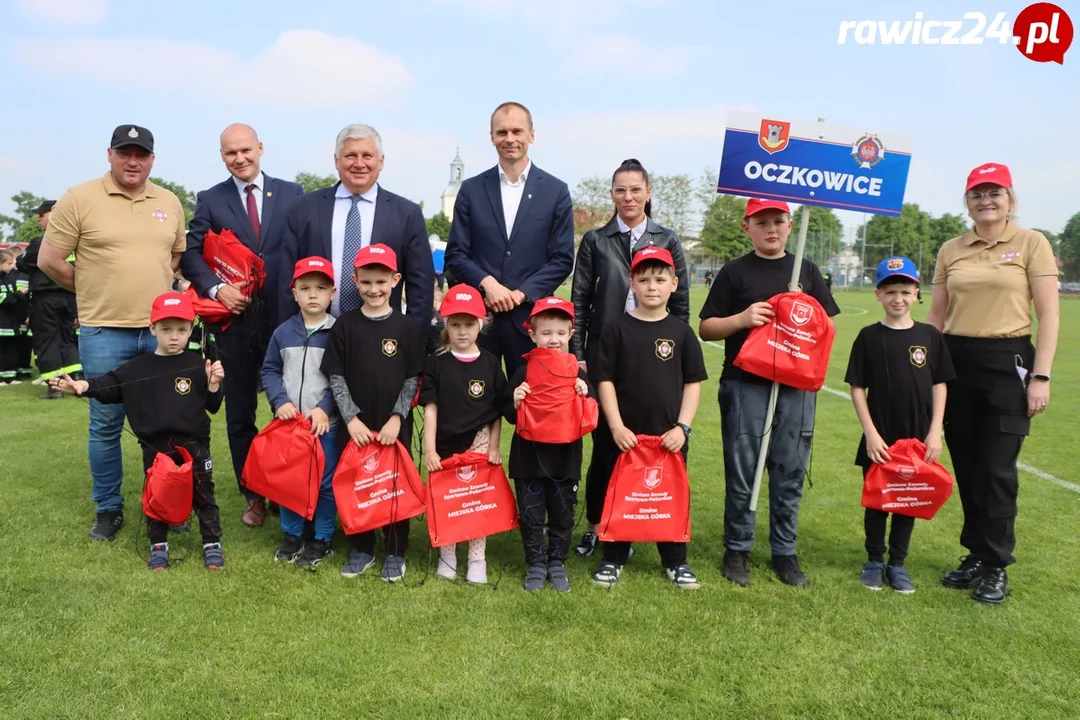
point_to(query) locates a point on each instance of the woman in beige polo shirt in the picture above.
(984, 285)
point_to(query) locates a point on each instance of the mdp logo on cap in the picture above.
(171, 301)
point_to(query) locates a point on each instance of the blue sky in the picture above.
(605, 80)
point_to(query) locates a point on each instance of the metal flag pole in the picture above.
(766, 436)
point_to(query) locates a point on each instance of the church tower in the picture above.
(457, 174)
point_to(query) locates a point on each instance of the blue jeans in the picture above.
(742, 417)
(325, 509)
(102, 350)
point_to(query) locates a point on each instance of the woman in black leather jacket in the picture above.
(601, 293)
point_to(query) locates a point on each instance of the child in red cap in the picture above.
(649, 377)
(546, 475)
(374, 359)
(296, 386)
(166, 395)
(462, 393)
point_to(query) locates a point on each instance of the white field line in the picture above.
(1042, 474)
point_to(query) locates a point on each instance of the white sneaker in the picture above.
(447, 563)
(477, 573)
(38, 381)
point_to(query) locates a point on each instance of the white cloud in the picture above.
(628, 56)
(66, 12)
(303, 69)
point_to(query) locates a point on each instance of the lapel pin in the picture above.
(530, 196)
(269, 194)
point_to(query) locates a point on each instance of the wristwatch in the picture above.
(685, 428)
(1040, 376)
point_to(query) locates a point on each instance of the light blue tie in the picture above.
(354, 239)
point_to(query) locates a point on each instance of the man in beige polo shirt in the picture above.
(127, 235)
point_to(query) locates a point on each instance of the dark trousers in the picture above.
(874, 523)
(537, 497)
(985, 425)
(9, 356)
(605, 453)
(202, 499)
(242, 349)
(25, 350)
(52, 320)
(506, 341)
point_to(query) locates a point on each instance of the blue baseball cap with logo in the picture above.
(897, 267)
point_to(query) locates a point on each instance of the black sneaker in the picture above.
(736, 567)
(314, 552)
(107, 525)
(787, 569)
(994, 588)
(970, 574)
(587, 545)
(51, 394)
(290, 548)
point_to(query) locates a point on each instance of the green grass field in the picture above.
(86, 631)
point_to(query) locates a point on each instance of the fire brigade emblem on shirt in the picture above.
(183, 386)
(665, 349)
(159, 214)
(389, 347)
(917, 353)
(476, 388)
(653, 476)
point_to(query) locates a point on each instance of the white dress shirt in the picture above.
(342, 204)
(257, 191)
(635, 234)
(511, 195)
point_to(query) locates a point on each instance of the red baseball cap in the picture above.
(172, 305)
(377, 254)
(463, 299)
(313, 264)
(989, 174)
(756, 205)
(652, 253)
(552, 303)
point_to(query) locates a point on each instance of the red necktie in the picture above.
(253, 211)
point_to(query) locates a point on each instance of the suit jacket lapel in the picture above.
(242, 227)
(326, 222)
(532, 184)
(269, 187)
(491, 182)
(378, 226)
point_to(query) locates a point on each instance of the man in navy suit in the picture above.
(512, 236)
(254, 206)
(335, 222)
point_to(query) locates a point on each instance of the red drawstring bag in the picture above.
(469, 498)
(792, 349)
(648, 498)
(233, 262)
(906, 485)
(285, 465)
(553, 412)
(376, 485)
(212, 312)
(168, 489)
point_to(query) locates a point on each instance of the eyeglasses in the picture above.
(635, 190)
(995, 194)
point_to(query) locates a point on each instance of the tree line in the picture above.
(694, 210)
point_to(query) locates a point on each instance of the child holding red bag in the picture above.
(546, 475)
(649, 377)
(166, 395)
(462, 391)
(905, 364)
(296, 386)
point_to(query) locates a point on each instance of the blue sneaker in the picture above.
(607, 574)
(159, 557)
(899, 579)
(213, 558)
(393, 568)
(873, 575)
(358, 563)
(683, 577)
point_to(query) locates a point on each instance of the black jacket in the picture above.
(28, 263)
(602, 281)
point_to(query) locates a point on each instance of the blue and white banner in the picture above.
(815, 163)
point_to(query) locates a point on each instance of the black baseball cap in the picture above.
(125, 135)
(44, 207)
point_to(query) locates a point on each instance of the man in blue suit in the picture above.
(335, 222)
(254, 206)
(512, 236)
